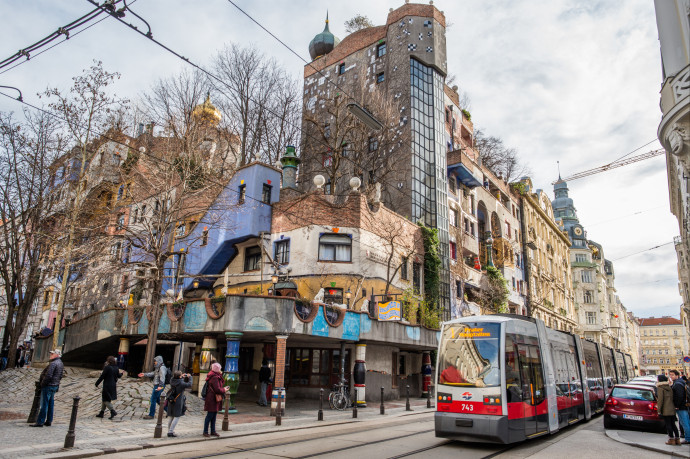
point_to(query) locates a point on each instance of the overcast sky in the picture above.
(575, 81)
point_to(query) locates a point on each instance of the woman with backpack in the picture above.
(213, 400)
(109, 376)
(177, 401)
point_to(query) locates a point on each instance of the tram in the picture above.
(506, 378)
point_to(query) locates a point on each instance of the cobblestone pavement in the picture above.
(129, 429)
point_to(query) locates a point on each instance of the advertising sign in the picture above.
(389, 311)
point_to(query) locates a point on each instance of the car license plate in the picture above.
(632, 417)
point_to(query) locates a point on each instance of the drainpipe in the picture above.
(525, 258)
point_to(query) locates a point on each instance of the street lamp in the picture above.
(489, 244)
(195, 284)
(348, 295)
(274, 280)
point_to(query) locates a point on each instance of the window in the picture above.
(135, 215)
(508, 232)
(333, 296)
(242, 194)
(417, 277)
(403, 268)
(581, 258)
(341, 69)
(453, 249)
(120, 221)
(466, 223)
(381, 50)
(266, 194)
(587, 296)
(373, 144)
(586, 276)
(120, 191)
(180, 230)
(282, 252)
(252, 258)
(453, 217)
(591, 318)
(451, 179)
(328, 189)
(204, 236)
(335, 247)
(380, 77)
(143, 213)
(327, 130)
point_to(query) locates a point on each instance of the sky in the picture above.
(574, 81)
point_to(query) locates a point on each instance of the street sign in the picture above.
(686, 359)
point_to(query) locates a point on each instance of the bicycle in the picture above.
(339, 398)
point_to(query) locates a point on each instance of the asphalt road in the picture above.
(410, 436)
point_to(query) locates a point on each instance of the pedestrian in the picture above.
(3, 362)
(50, 383)
(176, 399)
(110, 374)
(667, 409)
(264, 379)
(21, 362)
(158, 375)
(680, 400)
(214, 399)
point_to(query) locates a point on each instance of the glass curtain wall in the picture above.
(429, 187)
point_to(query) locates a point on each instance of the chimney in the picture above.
(290, 162)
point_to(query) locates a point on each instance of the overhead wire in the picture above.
(643, 251)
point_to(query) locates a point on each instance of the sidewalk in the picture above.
(649, 441)
(129, 431)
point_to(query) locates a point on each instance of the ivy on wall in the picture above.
(432, 264)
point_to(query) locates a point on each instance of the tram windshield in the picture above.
(469, 355)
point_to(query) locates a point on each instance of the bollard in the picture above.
(320, 417)
(383, 410)
(69, 438)
(226, 421)
(428, 396)
(354, 405)
(158, 431)
(33, 414)
(279, 419)
(407, 405)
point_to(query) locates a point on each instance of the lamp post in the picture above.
(195, 284)
(348, 295)
(274, 280)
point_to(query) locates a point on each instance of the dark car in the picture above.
(632, 405)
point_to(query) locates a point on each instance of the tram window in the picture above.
(513, 380)
(532, 376)
(469, 355)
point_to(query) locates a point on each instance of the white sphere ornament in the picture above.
(355, 183)
(319, 181)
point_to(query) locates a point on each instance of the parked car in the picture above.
(632, 405)
(644, 381)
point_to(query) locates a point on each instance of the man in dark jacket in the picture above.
(264, 379)
(680, 401)
(50, 382)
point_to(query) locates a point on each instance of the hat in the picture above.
(58, 352)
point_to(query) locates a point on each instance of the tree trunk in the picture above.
(155, 318)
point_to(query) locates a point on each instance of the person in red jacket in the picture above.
(214, 399)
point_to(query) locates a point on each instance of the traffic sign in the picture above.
(686, 359)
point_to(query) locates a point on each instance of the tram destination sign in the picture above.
(471, 332)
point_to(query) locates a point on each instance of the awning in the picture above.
(464, 175)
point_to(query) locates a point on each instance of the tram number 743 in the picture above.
(466, 407)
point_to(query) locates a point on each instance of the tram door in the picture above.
(533, 390)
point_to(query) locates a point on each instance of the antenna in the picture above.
(559, 169)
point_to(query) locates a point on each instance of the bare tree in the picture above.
(358, 22)
(26, 151)
(86, 113)
(260, 101)
(499, 159)
(340, 146)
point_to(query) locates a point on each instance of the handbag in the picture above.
(219, 398)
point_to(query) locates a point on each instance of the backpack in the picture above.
(168, 377)
(687, 394)
(204, 390)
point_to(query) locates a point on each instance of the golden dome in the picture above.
(206, 113)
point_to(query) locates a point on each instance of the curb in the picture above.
(613, 435)
(147, 444)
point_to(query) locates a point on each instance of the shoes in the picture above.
(47, 424)
(682, 442)
(113, 413)
(172, 434)
(100, 414)
(215, 434)
(148, 417)
(206, 435)
(36, 425)
(671, 441)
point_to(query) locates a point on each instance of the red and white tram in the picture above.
(506, 378)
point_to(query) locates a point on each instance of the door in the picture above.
(533, 390)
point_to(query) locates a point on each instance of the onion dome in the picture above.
(323, 43)
(206, 113)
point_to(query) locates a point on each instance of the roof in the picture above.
(656, 321)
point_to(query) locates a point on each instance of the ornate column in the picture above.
(231, 376)
(209, 351)
(122, 353)
(359, 374)
(279, 382)
(426, 373)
